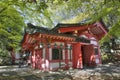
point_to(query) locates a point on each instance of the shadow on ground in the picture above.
(15, 73)
(103, 72)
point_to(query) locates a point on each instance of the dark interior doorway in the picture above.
(87, 53)
(83, 54)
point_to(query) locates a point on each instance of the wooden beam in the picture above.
(74, 28)
(101, 27)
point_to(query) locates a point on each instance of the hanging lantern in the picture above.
(61, 45)
(55, 45)
(41, 45)
(48, 45)
(70, 47)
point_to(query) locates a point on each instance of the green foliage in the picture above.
(13, 14)
(115, 30)
(3, 53)
(105, 58)
(11, 25)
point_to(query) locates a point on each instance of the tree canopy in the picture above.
(15, 13)
(11, 25)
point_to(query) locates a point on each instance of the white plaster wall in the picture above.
(54, 65)
(50, 53)
(68, 54)
(63, 64)
(63, 54)
(93, 42)
(97, 59)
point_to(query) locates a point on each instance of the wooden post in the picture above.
(77, 56)
(47, 67)
(33, 58)
(66, 56)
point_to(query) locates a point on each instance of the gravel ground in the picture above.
(26, 73)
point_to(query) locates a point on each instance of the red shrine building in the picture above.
(64, 46)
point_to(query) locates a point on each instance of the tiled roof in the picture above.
(35, 29)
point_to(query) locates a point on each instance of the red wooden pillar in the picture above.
(77, 56)
(38, 58)
(66, 56)
(80, 62)
(33, 58)
(47, 53)
(47, 67)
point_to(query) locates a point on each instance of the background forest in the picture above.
(15, 14)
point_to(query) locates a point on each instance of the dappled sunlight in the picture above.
(63, 43)
(3, 67)
(101, 72)
(11, 68)
(110, 68)
(30, 74)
